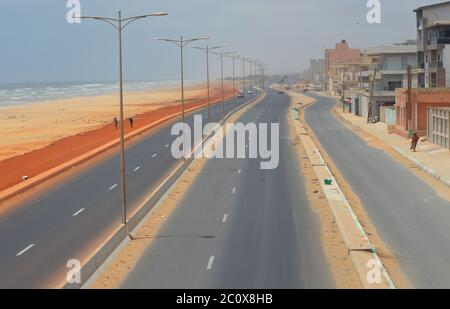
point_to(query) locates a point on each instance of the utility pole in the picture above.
(408, 103)
(369, 114)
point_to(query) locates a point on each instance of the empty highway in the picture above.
(239, 226)
(67, 221)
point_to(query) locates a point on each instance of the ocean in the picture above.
(22, 93)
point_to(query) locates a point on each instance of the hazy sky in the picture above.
(38, 45)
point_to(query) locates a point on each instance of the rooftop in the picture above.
(392, 49)
(432, 6)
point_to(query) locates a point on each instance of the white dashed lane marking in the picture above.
(78, 212)
(25, 250)
(234, 190)
(154, 155)
(225, 217)
(137, 168)
(210, 262)
(112, 187)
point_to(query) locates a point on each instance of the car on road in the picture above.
(241, 95)
(280, 92)
(249, 92)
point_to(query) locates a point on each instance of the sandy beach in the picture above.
(44, 135)
(35, 125)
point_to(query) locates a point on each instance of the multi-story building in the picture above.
(391, 63)
(317, 67)
(342, 54)
(433, 44)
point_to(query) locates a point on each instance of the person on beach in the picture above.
(414, 142)
(115, 122)
(131, 121)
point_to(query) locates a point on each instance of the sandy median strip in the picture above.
(335, 250)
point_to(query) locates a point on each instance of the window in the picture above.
(392, 85)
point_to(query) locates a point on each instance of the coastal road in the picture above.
(69, 220)
(239, 226)
(408, 214)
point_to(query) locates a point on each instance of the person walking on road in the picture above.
(115, 122)
(131, 121)
(414, 142)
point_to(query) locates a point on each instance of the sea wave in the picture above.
(15, 94)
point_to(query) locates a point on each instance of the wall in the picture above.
(438, 13)
(364, 99)
(341, 54)
(439, 126)
(391, 116)
(421, 100)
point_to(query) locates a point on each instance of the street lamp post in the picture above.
(207, 50)
(233, 57)
(181, 43)
(250, 62)
(243, 75)
(119, 24)
(222, 54)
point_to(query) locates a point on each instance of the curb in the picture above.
(57, 170)
(422, 166)
(416, 162)
(93, 262)
(361, 250)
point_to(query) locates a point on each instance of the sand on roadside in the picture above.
(35, 125)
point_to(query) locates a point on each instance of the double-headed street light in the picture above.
(181, 43)
(233, 56)
(243, 73)
(247, 59)
(222, 54)
(207, 50)
(119, 24)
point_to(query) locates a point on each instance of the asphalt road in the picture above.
(239, 226)
(65, 222)
(409, 216)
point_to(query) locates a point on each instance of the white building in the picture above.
(433, 43)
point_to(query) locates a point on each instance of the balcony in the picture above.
(435, 64)
(433, 44)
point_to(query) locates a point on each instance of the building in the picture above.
(341, 54)
(415, 119)
(345, 77)
(390, 64)
(317, 68)
(315, 73)
(433, 44)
